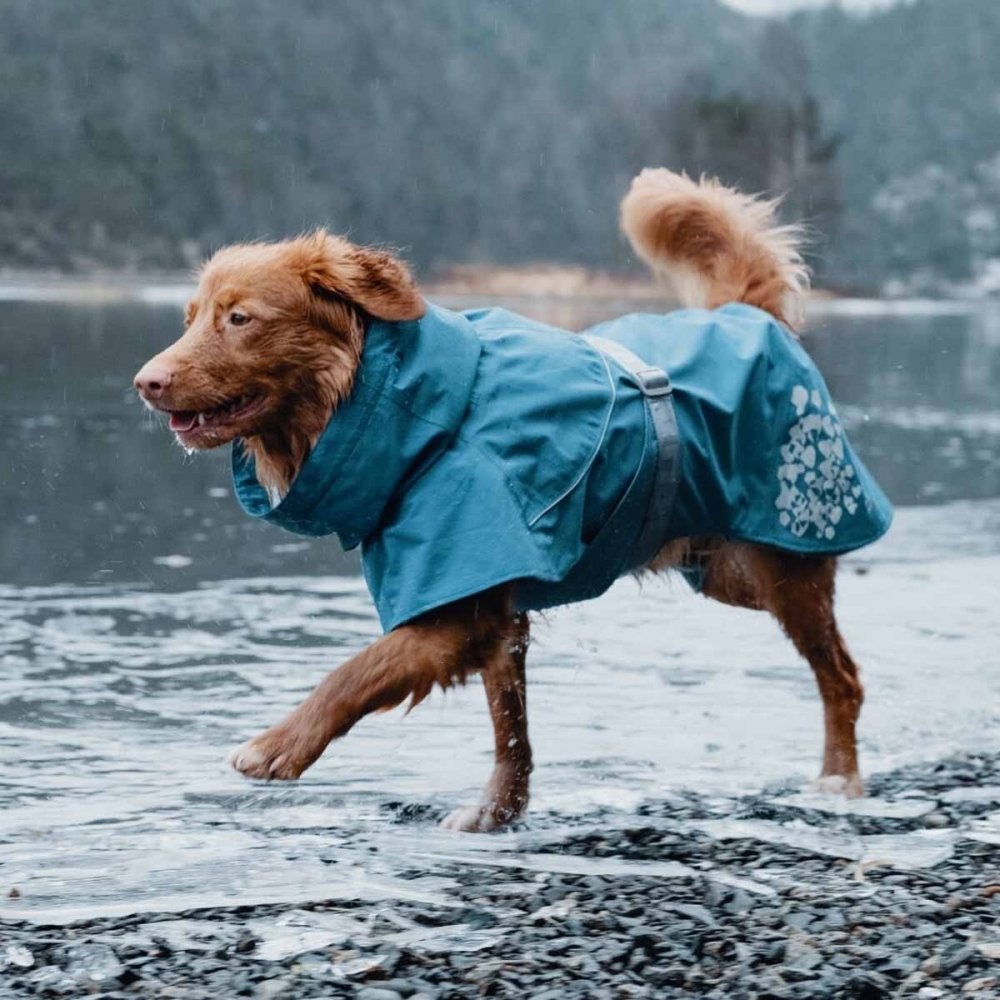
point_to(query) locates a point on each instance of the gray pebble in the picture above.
(376, 993)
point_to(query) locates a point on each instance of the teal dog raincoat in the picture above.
(482, 448)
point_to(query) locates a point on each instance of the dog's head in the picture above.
(272, 340)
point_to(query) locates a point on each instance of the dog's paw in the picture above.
(267, 756)
(477, 819)
(849, 785)
(503, 801)
(491, 814)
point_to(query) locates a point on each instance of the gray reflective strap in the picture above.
(655, 385)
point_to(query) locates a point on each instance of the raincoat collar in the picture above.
(411, 392)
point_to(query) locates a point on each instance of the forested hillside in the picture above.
(140, 134)
(914, 96)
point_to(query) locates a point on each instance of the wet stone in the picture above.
(696, 912)
(937, 820)
(813, 929)
(53, 979)
(377, 993)
(954, 957)
(403, 987)
(246, 944)
(271, 989)
(800, 919)
(902, 964)
(803, 963)
(92, 963)
(866, 987)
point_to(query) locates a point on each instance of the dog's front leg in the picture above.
(441, 647)
(506, 794)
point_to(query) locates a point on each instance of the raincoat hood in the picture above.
(376, 441)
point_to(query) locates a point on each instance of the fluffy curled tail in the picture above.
(715, 244)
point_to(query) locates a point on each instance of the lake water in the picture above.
(147, 626)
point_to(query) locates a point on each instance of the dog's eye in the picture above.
(238, 319)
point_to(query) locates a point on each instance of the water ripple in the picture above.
(118, 705)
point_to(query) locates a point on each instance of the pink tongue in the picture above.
(183, 420)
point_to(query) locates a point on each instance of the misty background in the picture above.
(138, 136)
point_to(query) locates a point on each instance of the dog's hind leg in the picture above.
(441, 647)
(798, 591)
(506, 794)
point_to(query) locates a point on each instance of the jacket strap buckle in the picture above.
(654, 383)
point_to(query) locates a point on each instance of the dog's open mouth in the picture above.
(191, 426)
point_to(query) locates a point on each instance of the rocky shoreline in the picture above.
(774, 896)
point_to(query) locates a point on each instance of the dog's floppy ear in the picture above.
(372, 279)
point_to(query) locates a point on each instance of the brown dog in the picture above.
(272, 346)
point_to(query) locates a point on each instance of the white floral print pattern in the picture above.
(818, 485)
